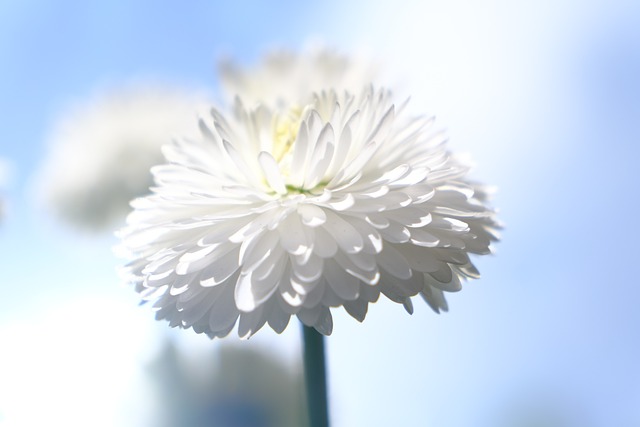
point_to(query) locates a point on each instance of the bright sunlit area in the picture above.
(528, 168)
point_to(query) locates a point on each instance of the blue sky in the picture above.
(544, 96)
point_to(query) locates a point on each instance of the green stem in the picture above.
(315, 377)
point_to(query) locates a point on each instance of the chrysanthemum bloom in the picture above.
(290, 212)
(284, 78)
(101, 151)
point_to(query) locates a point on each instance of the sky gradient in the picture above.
(544, 96)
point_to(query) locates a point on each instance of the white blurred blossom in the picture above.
(274, 212)
(101, 150)
(284, 78)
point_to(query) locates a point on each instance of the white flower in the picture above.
(286, 78)
(101, 151)
(275, 213)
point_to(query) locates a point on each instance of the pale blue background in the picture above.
(544, 95)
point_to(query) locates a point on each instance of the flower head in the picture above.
(285, 78)
(280, 212)
(101, 152)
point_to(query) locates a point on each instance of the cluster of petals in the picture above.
(276, 212)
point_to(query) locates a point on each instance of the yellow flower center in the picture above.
(285, 130)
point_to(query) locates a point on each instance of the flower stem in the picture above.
(315, 377)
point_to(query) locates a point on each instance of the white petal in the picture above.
(254, 289)
(251, 322)
(195, 308)
(454, 285)
(372, 239)
(377, 220)
(298, 163)
(421, 237)
(383, 127)
(370, 277)
(221, 269)
(257, 249)
(435, 298)
(357, 309)
(356, 165)
(393, 175)
(411, 217)
(395, 233)
(341, 203)
(324, 245)
(241, 165)
(189, 262)
(341, 150)
(309, 316)
(419, 193)
(324, 324)
(271, 172)
(321, 157)
(468, 270)
(257, 224)
(223, 314)
(346, 236)
(310, 271)
(343, 284)
(393, 262)
(443, 274)
(312, 216)
(286, 290)
(278, 319)
(314, 296)
(419, 259)
(177, 289)
(408, 305)
(276, 255)
(402, 288)
(292, 236)
(330, 298)
(374, 192)
(319, 318)
(223, 230)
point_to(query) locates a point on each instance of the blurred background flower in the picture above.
(545, 95)
(285, 77)
(101, 150)
(234, 387)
